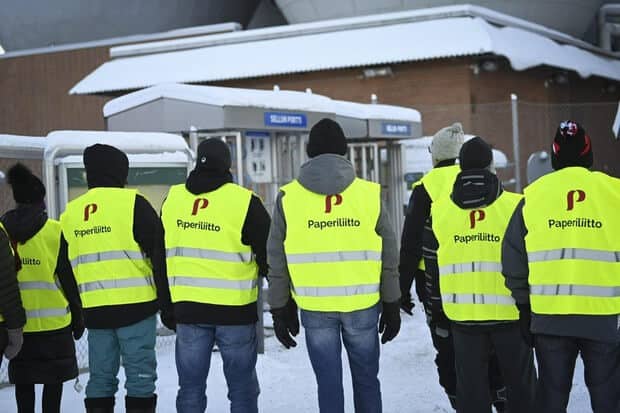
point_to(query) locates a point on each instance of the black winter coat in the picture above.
(45, 357)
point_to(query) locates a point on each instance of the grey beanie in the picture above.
(447, 143)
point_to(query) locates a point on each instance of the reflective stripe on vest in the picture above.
(332, 250)
(46, 307)
(572, 243)
(469, 259)
(207, 262)
(209, 254)
(108, 264)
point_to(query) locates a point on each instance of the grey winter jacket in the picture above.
(605, 328)
(327, 174)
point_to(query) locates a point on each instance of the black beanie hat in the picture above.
(571, 146)
(475, 154)
(213, 155)
(326, 136)
(105, 165)
(27, 188)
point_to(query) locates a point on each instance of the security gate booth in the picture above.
(266, 130)
(374, 132)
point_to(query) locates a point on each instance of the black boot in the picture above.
(140, 404)
(99, 405)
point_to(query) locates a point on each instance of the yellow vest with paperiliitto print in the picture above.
(572, 242)
(469, 259)
(207, 262)
(332, 249)
(46, 307)
(108, 264)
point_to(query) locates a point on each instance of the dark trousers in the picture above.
(556, 358)
(25, 397)
(473, 348)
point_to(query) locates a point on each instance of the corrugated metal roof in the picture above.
(365, 46)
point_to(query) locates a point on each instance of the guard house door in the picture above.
(365, 160)
(233, 140)
(290, 154)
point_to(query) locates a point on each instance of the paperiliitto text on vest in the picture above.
(334, 223)
(90, 231)
(575, 222)
(201, 225)
(481, 236)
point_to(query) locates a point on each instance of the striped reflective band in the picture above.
(576, 290)
(470, 267)
(348, 290)
(208, 254)
(37, 285)
(574, 253)
(183, 281)
(106, 256)
(340, 256)
(478, 299)
(120, 283)
(47, 312)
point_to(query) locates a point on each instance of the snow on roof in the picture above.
(375, 111)
(366, 43)
(130, 142)
(21, 147)
(139, 158)
(222, 96)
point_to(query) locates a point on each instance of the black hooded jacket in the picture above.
(254, 233)
(10, 300)
(148, 232)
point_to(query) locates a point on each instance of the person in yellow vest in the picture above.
(216, 235)
(418, 244)
(113, 249)
(469, 226)
(332, 252)
(560, 257)
(12, 314)
(48, 354)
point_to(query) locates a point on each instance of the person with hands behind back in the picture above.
(332, 252)
(54, 316)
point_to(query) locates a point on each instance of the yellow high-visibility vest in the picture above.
(572, 242)
(469, 259)
(332, 249)
(45, 304)
(108, 264)
(438, 182)
(207, 262)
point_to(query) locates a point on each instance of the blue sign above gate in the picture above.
(286, 120)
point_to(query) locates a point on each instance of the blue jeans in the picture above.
(325, 333)
(556, 358)
(135, 344)
(238, 346)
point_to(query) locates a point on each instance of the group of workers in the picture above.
(497, 273)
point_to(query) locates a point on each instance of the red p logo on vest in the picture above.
(328, 202)
(89, 210)
(570, 198)
(199, 203)
(474, 216)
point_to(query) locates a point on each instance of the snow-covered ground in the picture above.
(408, 379)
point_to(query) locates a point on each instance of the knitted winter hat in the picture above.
(27, 188)
(447, 143)
(326, 136)
(571, 146)
(476, 154)
(105, 165)
(213, 155)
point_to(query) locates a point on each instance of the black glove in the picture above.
(77, 325)
(168, 320)
(525, 319)
(440, 324)
(15, 342)
(286, 323)
(389, 322)
(406, 301)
